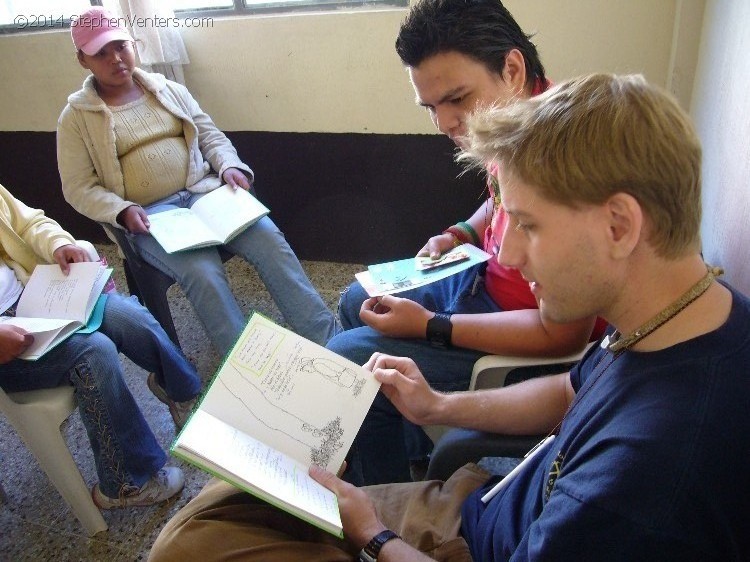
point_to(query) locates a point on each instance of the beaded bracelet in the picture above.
(464, 232)
(456, 240)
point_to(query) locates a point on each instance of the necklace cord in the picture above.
(617, 344)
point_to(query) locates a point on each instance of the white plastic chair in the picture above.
(453, 446)
(36, 415)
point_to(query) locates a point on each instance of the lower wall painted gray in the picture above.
(358, 198)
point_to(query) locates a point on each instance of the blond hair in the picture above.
(591, 137)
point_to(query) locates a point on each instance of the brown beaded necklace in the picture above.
(616, 345)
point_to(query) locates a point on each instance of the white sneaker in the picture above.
(161, 486)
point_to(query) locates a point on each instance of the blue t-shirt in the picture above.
(651, 464)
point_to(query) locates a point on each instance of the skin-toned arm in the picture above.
(360, 519)
(530, 407)
(517, 332)
(513, 332)
(527, 408)
(479, 221)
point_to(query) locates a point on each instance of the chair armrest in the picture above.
(460, 446)
(491, 371)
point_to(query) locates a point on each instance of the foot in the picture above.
(180, 411)
(161, 486)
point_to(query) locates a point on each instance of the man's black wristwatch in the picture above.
(371, 550)
(439, 329)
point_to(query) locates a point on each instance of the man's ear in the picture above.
(514, 71)
(626, 221)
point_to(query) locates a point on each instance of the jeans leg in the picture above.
(264, 246)
(462, 292)
(125, 450)
(200, 273)
(141, 338)
(386, 440)
(350, 303)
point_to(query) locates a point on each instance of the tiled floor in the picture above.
(36, 524)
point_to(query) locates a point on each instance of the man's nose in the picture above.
(510, 253)
(446, 120)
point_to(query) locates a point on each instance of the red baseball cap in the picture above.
(95, 28)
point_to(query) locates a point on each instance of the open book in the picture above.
(401, 275)
(278, 404)
(215, 219)
(54, 306)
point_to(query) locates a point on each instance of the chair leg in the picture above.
(54, 457)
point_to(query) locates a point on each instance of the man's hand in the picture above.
(236, 179)
(438, 245)
(395, 317)
(70, 253)
(134, 219)
(358, 514)
(405, 386)
(13, 342)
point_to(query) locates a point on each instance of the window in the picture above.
(237, 7)
(31, 15)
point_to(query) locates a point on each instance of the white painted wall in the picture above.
(722, 114)
(338, 71)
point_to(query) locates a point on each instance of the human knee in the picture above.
(350, 303)
(348, 344)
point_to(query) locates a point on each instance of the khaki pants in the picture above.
(224, 523)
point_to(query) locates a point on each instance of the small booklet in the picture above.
(215, 219)
(401, 275)
(278, 404)
(53, 306)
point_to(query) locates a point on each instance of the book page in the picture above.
(401, 275)
(294, 395)
(47, 333)
(259, 468)
(51, 294)
(228, 211)
(181, 229)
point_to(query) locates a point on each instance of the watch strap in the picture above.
(440, 329)
(372, 549)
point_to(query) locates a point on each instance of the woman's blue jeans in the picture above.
(386, 442)
(125, 450)
(201, 275)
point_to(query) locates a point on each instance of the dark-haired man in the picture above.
(460, 55)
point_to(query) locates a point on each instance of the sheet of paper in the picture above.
(393, 277)
(226, 210)
(180, 229)
(49, 293)
(302, 399)
(47, 333)
(259, 466)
